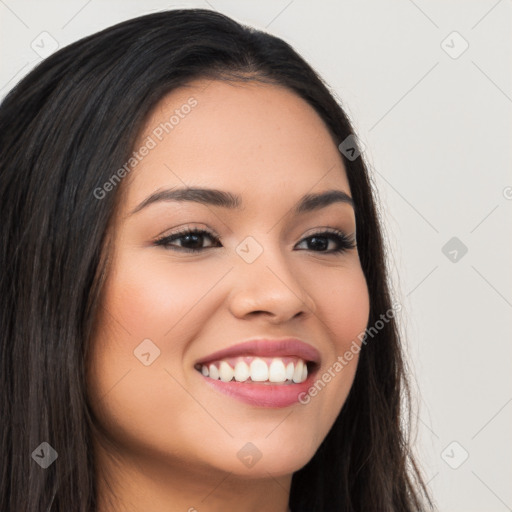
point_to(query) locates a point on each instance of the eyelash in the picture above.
(344, 242)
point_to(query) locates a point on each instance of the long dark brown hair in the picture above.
(63, 129)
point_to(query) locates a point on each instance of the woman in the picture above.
(196, 313)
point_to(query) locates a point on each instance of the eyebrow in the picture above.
(214, 197)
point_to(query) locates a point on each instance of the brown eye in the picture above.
(190, 240)
(319, 242)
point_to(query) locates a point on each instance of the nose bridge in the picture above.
(266, 282)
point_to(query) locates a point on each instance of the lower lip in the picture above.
(263, 395)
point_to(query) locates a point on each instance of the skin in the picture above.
(170, 441)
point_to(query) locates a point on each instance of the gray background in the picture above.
(436, 122)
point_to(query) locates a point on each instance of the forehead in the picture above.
(260, 141)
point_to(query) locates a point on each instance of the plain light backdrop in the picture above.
(428, 86)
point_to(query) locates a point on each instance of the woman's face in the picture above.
(258, 273)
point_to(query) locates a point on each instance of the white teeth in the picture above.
(289, 371)
(214, 373)
(259, 370)
(304, 373)
(276, 371)
(225, 372)
(242, 372)
(297, 374)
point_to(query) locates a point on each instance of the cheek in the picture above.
(149, 296)
(345, 307)
(344, 312)
(146, 298)
(137, 404)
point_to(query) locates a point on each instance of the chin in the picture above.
(260, 457)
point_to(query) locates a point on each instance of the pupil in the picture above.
(195, 238)
(319, 243)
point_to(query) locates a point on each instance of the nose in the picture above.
(269, 288)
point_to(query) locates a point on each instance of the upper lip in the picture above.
(291, 347)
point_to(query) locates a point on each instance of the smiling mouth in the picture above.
(288, 370)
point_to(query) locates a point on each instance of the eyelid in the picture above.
(186, 228)
(326, 229)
